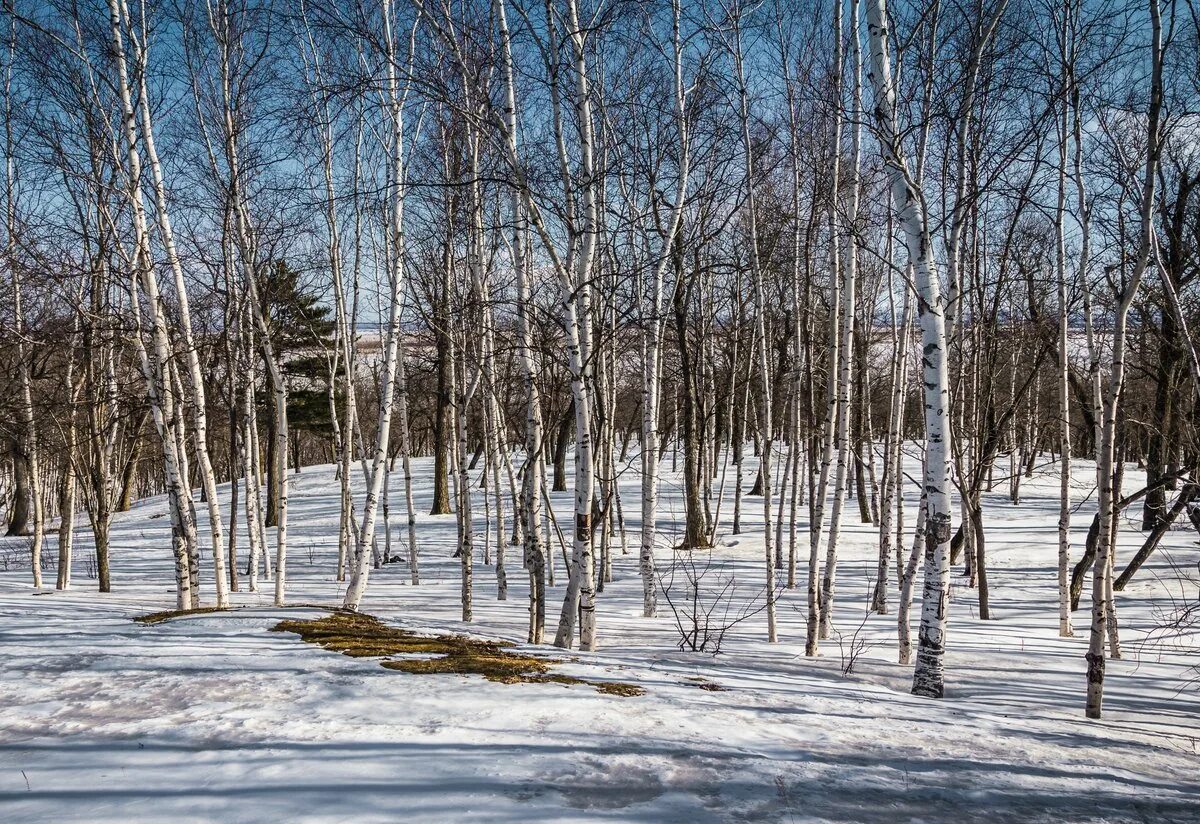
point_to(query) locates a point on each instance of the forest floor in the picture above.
(213, 717)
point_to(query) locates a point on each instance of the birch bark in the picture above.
(533, 480)
(653, 335)
(761, 343)
(155, 361)
(1106, 458)
(360, 569)
(928, 677)
(845, 354)
(140, 51)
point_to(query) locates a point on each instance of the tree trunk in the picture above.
(928, 677)
(396, 275)
(1106, 454)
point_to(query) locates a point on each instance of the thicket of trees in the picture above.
(245, 236)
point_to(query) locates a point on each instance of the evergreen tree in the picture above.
(301, 329)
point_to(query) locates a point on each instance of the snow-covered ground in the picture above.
(214, 718)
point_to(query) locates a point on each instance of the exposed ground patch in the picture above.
(167, 615)
(364, 636)
(705, 684)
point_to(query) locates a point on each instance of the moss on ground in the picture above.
(364, 636)
(617, 688)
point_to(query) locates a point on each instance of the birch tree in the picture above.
(1106, 456)
(652, 331)
(928, 677)
(360, 568)
(155, 362)
(845, 227)
(28, 452)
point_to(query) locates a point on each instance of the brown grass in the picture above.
(364, 636)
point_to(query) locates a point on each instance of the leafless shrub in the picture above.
(851, 646)
(1177, 621)
(702, 594)
(15, 553)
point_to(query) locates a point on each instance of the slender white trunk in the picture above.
(29, 451)
(495, 447)
(535, 549)
(652, 334)
(908, 575)
(464, 509)
(155, 361)
(344, 434)
(66, 503)
(762, 346)
(893, 466)
(1106, 447)
(406, 466)
(829, 424)
(254, 527)
(1064, 364)
(191, 352)
(575, 296)
(366, 537)
(928, 678)
(1064, 510)
(846, 348)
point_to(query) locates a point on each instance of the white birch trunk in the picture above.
(908, 575)
(829, 425)
(762, 347)
(928, 678)
(893, 467)
(254, 526)
(1106, 446)
(1064, 364)
(66, 507)
(195, 376)
(535, 553)
(845, 354)
(406, 466)
(154, 362)
(652, 336)
(29, 434)
(366, 537)
(576, 304)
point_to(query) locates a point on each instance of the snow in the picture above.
(214, 718)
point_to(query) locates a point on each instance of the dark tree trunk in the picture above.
(976, 511)
(1089, 554)
(128, 476)
(695, 521)
(441, 421)
(235, 452)
(443, 427)
(19, 519)
(562, 438)
(272, 513)
(1154, 509)
(1083, 402)
(100, 532)
(1152, 540)
(860, 483)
